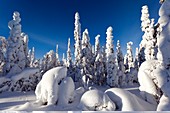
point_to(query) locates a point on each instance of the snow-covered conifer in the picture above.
(112, 78)
(63, 61)
(48, 61)
(144, 25)
(129, 64)
(77, 47)
(99, 68)
(57, 57)
(3, 46)
(16, 58)
(136, 61)
(121, 67)
(86, 54)
(69, 58)
(77, 38)
(128, 61)
(97, 45)
(32, 57)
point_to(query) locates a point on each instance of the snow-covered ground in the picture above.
(26, 101)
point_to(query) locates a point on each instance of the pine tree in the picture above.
(3, 46)
(129, 64)
(99, 64)
(77, 38)
(128, 60)
(57, 57)
(77, 46)
(144, 25)
(136, 62)
(99, 68)
(86, 54)
(48, 61)
(121, 68)
(16, 58)
(112, 78)
(97, 45)
(69, 58)
(32, 57)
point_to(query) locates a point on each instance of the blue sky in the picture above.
(51, 22)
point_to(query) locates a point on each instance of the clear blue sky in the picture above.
(51, 22)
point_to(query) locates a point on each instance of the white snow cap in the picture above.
(109, 31)
(77, 17)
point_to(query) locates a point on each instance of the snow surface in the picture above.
(26, 101)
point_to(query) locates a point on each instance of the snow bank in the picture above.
(66, 92)
(126, 101)
(47, 89)
(95, 100)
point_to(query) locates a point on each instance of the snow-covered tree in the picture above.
(156, 73)
(16, 58)
(99, 68)
(144, 25)
(31, 56)
(77, 38)
(149, 39)
(145, 18)
(48, 61)
(69, 58)
(129, 64)
(87, 61)
(70, 66)
(121, 67)
(112, 78)
(136, 61)
(57, 57)
(3, 46)
(77, 47)
(97, 45)
(151, 46)
(63, 61)
(128, 60)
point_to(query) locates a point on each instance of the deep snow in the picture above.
(14, 101)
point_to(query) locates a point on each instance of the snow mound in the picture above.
(126, 101)
(66, 92)
(47, 89)
(95, 100)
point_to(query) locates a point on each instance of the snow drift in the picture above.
(47, 89)
(126, 101)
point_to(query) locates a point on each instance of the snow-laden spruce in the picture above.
(121, 67)
(87, 58)
(16, 55)
(3, 47)
(129, 64)
(112, 78)
(77, 47)
(48, 61)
